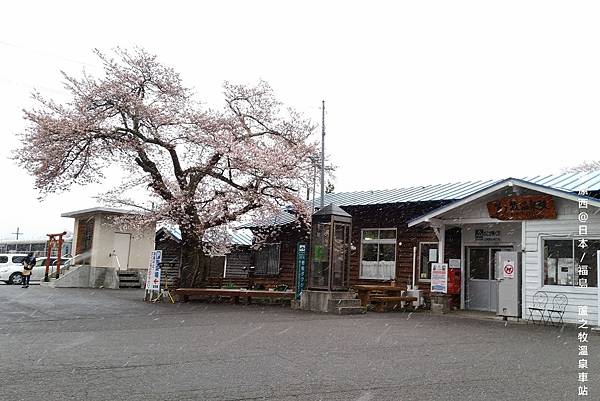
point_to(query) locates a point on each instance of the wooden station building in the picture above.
(398, 234)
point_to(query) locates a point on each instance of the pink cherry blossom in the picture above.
(202, 169)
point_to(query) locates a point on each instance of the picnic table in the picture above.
(381, 294)
(234, 294)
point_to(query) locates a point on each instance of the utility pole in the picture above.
(17, 233)
(323, 157)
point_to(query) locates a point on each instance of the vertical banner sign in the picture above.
(153, 274)
(300, 268)
(157, 255)
(439, 277)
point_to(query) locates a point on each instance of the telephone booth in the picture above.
(330, 249)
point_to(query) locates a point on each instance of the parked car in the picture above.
(11, 267)
(11, 272)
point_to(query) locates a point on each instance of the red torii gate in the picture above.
(52, 240)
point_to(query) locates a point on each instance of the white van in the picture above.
(11, 268)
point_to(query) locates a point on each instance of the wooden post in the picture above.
(48, 253)
(59, 255)
(51, 240)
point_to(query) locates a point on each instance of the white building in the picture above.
(542, 223)
(104, 250)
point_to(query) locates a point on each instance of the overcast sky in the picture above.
(417, 92)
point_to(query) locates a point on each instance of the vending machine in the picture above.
(508, 278)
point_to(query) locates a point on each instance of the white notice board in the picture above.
(439, 277)
(153, 274)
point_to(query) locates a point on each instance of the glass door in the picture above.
(482, 288)
(340, 255)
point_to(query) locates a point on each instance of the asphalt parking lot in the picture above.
(85, 344)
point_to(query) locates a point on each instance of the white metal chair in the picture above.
(559, 304)
(540, 300)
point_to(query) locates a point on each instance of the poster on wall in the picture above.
(439, 277)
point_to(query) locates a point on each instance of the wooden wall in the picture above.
(237, 259)
(288, 236)
(391, 216)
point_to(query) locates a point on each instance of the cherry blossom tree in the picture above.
(202, 168)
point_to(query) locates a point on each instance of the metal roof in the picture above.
(572, 195)
(99, 209)
(568, 182)
(280, 219)
(238, 237)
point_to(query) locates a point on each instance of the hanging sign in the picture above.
(301, 252)
(153, 274)
(508, 268)
(439, 277)
(522, 207)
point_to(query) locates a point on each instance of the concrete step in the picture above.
(129, 285)
(351, 310)
(129, 279)
(337, 303)
(128, 274)
(342, 295)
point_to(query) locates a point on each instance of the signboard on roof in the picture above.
(522, 207)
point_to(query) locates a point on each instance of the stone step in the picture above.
(129, 278)
(342, 295)
(351, 310)
(129, 284)
(337, 303)
(127, 274)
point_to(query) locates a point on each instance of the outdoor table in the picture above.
(365, 291)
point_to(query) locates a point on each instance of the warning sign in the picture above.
(508, 269)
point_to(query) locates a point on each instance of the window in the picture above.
(566, 263)
(378, 250)
(427, 255)
(3, 259)
(17, 259)
(267, 260)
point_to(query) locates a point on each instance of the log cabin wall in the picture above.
(171, 257)
(238, 261)
(288, 237)
(395, 215)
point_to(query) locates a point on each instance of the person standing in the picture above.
(28, 264)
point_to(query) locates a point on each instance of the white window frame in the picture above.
(426, 280)
(378, 241)
(564, 288)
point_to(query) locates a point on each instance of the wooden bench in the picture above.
(234, 282)
(235, 294)
(382, 301)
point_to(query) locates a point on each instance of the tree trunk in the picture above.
(193, 269)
